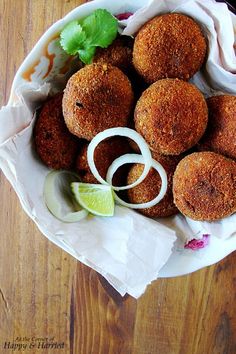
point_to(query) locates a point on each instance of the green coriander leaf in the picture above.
(82, 37)
(86, 54)
(72, 38)
(101, 28)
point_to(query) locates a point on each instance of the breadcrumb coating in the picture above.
(169, 46)
(171, 115)
(96, 98)
(204, 186)
(119, 54)
(220, 135)
(105, 153)
(150, 187)
(55, 145)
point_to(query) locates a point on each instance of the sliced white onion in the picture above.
(52, 194)
(135, 158)
(128, 133)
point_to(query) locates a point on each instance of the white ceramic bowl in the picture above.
(47, 59)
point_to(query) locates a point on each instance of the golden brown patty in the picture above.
(119, 53)
(150, 187)
(171, 115)
(96, 98)
(55, 145)
(171, 45)
(204, 186)
(220, 135)
(106, 152)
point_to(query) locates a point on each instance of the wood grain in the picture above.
(45, 293)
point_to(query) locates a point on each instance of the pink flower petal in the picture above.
(124, 16)
(197, 244)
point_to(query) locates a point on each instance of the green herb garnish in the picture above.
(82, 37)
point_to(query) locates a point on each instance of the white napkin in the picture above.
(127, 249)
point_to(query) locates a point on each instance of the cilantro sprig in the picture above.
(83, 36)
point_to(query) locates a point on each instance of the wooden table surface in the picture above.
(45, 294)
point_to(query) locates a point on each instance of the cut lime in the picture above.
(96, 198)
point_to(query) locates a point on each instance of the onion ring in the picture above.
(135, 158)
(128, 133)
(52, 202)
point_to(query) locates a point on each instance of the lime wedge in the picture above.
(96, 198)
